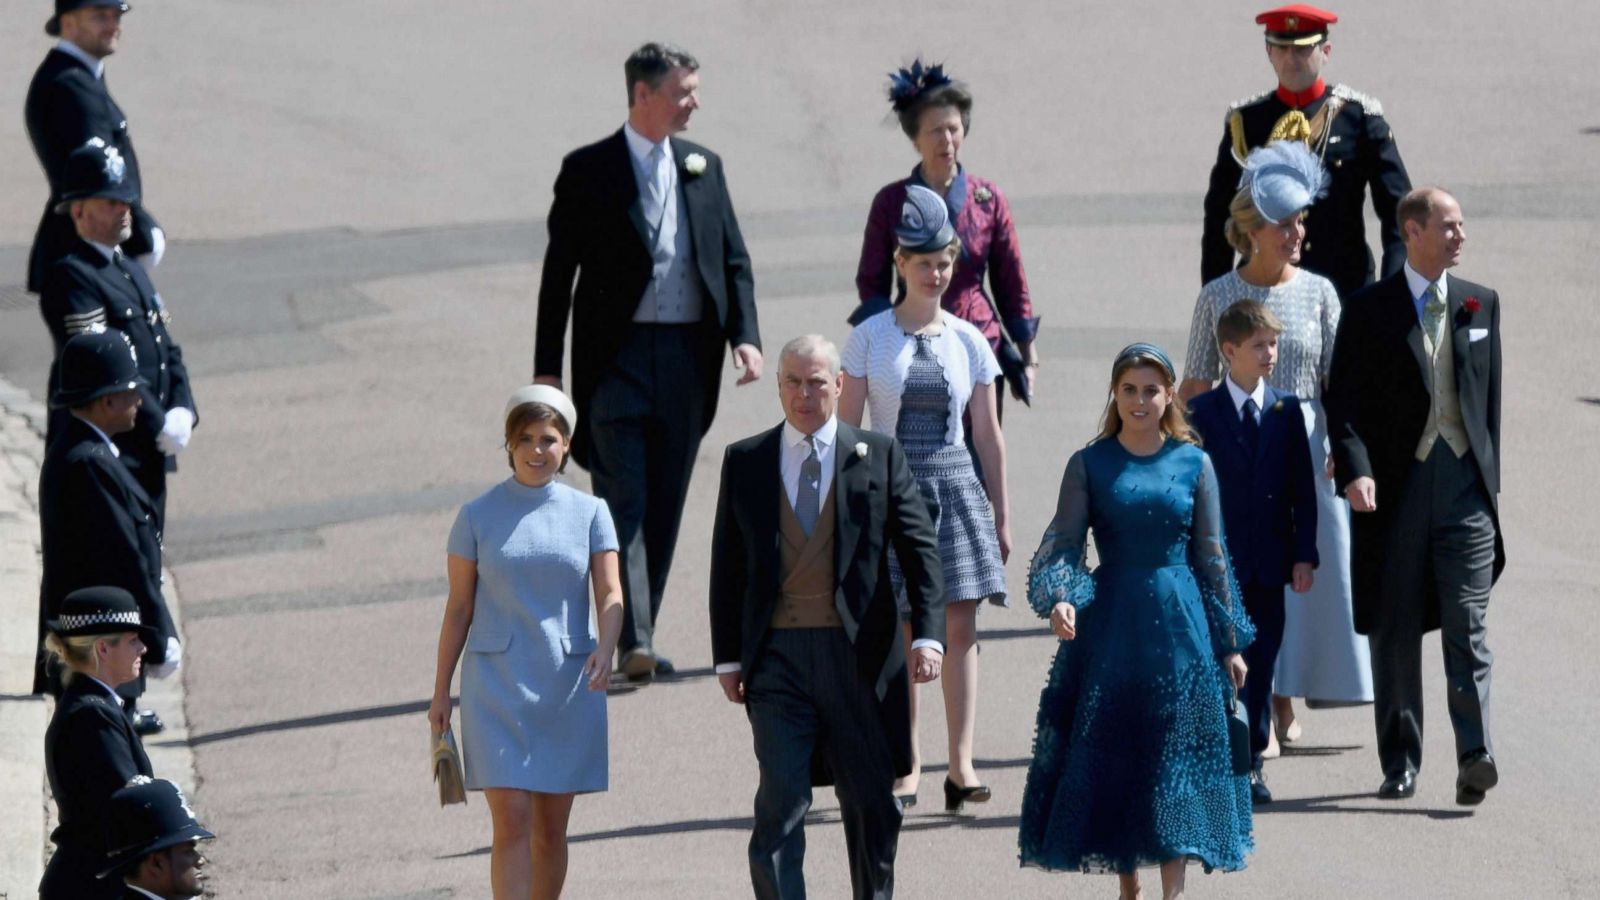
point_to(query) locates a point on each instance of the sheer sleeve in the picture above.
(1059, 571)
(1231, 630)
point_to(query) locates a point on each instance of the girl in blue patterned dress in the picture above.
(919, 369)
(1131, 762)
(522, 558)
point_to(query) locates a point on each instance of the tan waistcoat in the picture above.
(808, 583)
(1444, 408)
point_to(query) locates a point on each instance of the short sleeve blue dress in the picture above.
(528, 718)
(1131, 763)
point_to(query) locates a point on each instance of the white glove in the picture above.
(174, 660)
(175, 430)
(158, 249)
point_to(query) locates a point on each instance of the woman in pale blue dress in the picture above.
(533, 704)
(1322, 659)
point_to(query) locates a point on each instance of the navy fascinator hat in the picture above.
(924, 222)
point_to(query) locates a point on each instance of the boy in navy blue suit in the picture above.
(1256, 437)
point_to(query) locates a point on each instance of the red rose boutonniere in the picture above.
(1471, 305)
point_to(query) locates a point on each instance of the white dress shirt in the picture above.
(794, 452)
(1259, 395)
(97, 66)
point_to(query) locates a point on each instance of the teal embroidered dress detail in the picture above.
(1131, 764)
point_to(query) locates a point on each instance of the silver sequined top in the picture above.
(1308, 306)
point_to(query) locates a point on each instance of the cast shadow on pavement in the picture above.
(1293, 750)
(913, 822)
(417, 707)
(1330, 804)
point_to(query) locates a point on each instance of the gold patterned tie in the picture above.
(1433, 314)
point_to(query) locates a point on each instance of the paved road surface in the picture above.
(355, 194)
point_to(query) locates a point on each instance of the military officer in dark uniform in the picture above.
(1344, 128)
(96, 524)
(156, 842)
(90, 749)
(95, 287)
(68, 104)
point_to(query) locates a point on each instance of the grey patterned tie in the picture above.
(655, 198)
(1433, 315)
(808, 501)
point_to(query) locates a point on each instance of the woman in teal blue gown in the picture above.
(1131, 763)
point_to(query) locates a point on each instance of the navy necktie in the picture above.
(1251, 422)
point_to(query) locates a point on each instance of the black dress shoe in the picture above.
(956, 796)
(1259, 794)
(664, 667)
(1478, 774)
(146, 722)
(1400, 787)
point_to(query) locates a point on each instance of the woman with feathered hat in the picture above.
(1321, 657)
(935, 112)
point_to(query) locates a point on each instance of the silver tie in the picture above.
(807, 503)
(655, 204)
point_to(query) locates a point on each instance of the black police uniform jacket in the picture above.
(1359, 152)
(84, 290)
(96, 527)
(90, 752)
(596, 235)
(66, 106)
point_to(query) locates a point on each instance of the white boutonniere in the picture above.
(983, 195)
(694, 164)
(861, 449)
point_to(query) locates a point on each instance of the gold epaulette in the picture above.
(1235, 122)
(1369, 105)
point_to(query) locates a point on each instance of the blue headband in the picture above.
(1144, 348)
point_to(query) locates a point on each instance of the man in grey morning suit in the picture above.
(804, 628)
(644, 222)
(1414, 410)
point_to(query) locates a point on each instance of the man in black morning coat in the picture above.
(68, 103)
(1414, 419)
(805, 632)
(644, 221)
(94, 286)
(96, 525)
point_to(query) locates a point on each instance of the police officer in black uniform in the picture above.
(94, 286)
(90, 748)
(68, 104)
(156, 842)
(1343, 127)
(96, 524)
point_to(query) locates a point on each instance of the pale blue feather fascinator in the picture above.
(1284, 177)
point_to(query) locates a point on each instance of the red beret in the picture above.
(1296, 25)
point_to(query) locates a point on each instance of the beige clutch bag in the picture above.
(447, 769)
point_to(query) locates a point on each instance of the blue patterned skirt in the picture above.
(968, 545)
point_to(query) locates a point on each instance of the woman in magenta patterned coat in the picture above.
(935, 113)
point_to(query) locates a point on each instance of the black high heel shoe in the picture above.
(956, 796)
